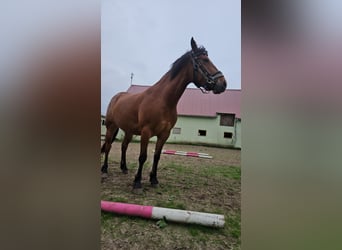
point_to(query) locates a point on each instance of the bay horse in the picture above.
(154, 111)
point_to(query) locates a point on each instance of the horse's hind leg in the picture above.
(127, 139)
(159, 146)
(111, 133)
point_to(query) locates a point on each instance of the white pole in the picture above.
(184, 216)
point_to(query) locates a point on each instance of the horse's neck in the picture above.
(172, 90)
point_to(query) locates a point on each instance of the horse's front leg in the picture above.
(145, 136)
(159, 146)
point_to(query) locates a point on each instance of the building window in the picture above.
(227, 119)
(228, 135)
(176, 131)
(202, 132)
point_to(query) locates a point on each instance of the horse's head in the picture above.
(206, 75)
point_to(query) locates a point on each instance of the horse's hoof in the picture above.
(104, 169)
(137, 191)
(154, 185)
(137, 188)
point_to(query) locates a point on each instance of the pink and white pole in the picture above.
(176, 215)
(183, 153)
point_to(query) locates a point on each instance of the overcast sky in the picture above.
(146, 37)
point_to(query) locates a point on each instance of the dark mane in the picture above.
(183, 60)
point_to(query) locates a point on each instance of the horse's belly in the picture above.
(130, 128)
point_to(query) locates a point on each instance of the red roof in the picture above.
(194, 103)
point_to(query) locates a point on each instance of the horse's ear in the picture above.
(193, 44)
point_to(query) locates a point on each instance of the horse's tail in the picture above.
(113, 138)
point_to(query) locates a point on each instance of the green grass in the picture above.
(107, 225)
(106, 220)
(178, 168)
(230, 172)
(171, 204)
(197, 230)
(132, 166)
(110, 221)
(234, 225)
(118, 199)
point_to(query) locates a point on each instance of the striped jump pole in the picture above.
(183, 153)
(176, 215)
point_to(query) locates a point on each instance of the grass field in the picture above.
(204, 185)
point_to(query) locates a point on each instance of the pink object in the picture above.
(127, 209)
(170, 152)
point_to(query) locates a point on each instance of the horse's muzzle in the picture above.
(220, 86)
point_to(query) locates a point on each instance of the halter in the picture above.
(211, 79)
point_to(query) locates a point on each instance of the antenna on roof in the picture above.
(132, 77)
